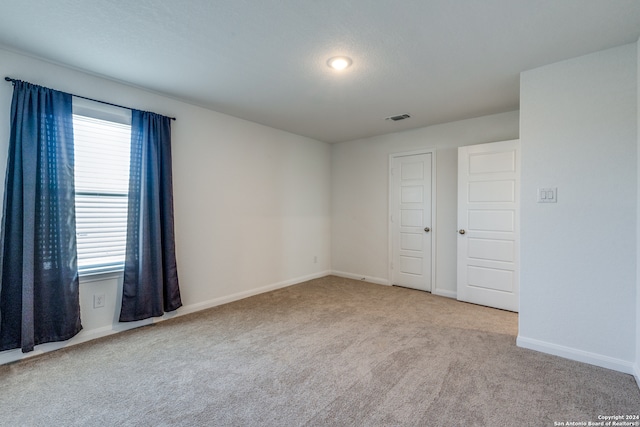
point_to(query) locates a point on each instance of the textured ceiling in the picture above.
(265, 61)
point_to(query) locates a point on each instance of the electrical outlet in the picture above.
(315, 259)
(98, 300)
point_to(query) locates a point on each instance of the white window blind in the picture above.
(102, 150)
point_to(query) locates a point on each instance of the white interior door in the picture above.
(489, 224)
(411, 233)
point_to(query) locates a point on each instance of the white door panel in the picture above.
(490, 278)
(495, 162)
(411, 241)
(410, 207)
(502, 250)
(411, 217)
(488, 224)
(490, 221)
(492, 191)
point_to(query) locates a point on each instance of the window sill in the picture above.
(96, 277)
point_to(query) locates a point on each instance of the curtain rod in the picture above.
(13, 81)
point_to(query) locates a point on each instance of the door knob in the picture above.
(427, 229)
(461, 231)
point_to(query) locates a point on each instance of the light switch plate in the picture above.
(548, 195)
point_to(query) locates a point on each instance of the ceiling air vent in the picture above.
(399, 117)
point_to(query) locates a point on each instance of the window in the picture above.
(102, 149)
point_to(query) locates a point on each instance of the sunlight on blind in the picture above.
(102, 182)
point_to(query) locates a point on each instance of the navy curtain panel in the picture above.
(150, 285)
(39, 300)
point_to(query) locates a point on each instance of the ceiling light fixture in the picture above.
(339, 62)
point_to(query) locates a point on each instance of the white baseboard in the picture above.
(579, 355)
(10, 356)
(192, 308)
(376, 280)
(636, 373)
(380, 281)
(445, 293)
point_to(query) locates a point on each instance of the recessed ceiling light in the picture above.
(339, 62)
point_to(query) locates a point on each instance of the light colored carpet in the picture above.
(329, 352)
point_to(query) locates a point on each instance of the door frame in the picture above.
(391, 196)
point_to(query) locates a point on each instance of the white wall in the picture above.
(637, 323)
(359, 194)
(252, 204)
(578, 121)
